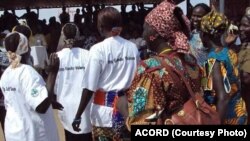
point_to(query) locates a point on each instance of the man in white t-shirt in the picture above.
(29, 115)
(110, 71)
(67, 84)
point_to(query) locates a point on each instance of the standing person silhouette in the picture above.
(110, 70)
(64, 16)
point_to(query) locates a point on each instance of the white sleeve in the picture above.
(93, 70)
(33, 88)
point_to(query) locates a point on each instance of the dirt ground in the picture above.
(60, 130)
(1, 134)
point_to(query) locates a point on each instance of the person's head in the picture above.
(5, 11)
(25, 30)
(245, 26)
(28, 9)
(16, 45)
(77, 11)
(133, 7)
(44, 21)
(13, 11)
(213, 29)
(109, 22)
(52, 20)
(198, 12)
(70, 32)
(165, 24)
(123, 8)
(141, 6)
(64, 9)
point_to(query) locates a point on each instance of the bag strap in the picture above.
(171, 69)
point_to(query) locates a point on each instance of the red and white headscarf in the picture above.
(163, 20)
(22, 48)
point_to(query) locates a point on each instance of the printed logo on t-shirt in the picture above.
(34, 92)
(116, 60)
(72, 68)
(8, 89)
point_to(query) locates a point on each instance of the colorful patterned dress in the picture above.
(155, 89)
(109, 99)
(236, 114)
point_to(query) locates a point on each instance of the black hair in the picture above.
(70, 31)
(204, 6)
(108, 18)
(64, 8)
(24, 30)
(11, 42)
(27, 9)
(77, 10)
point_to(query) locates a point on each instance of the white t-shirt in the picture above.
(24, 89)
(111, 67)
(68, 87)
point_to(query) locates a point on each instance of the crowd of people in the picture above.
(96, 62)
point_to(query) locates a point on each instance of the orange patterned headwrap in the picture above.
(163, 20)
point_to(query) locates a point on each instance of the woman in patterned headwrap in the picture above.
(164, 33)
(220, 78)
